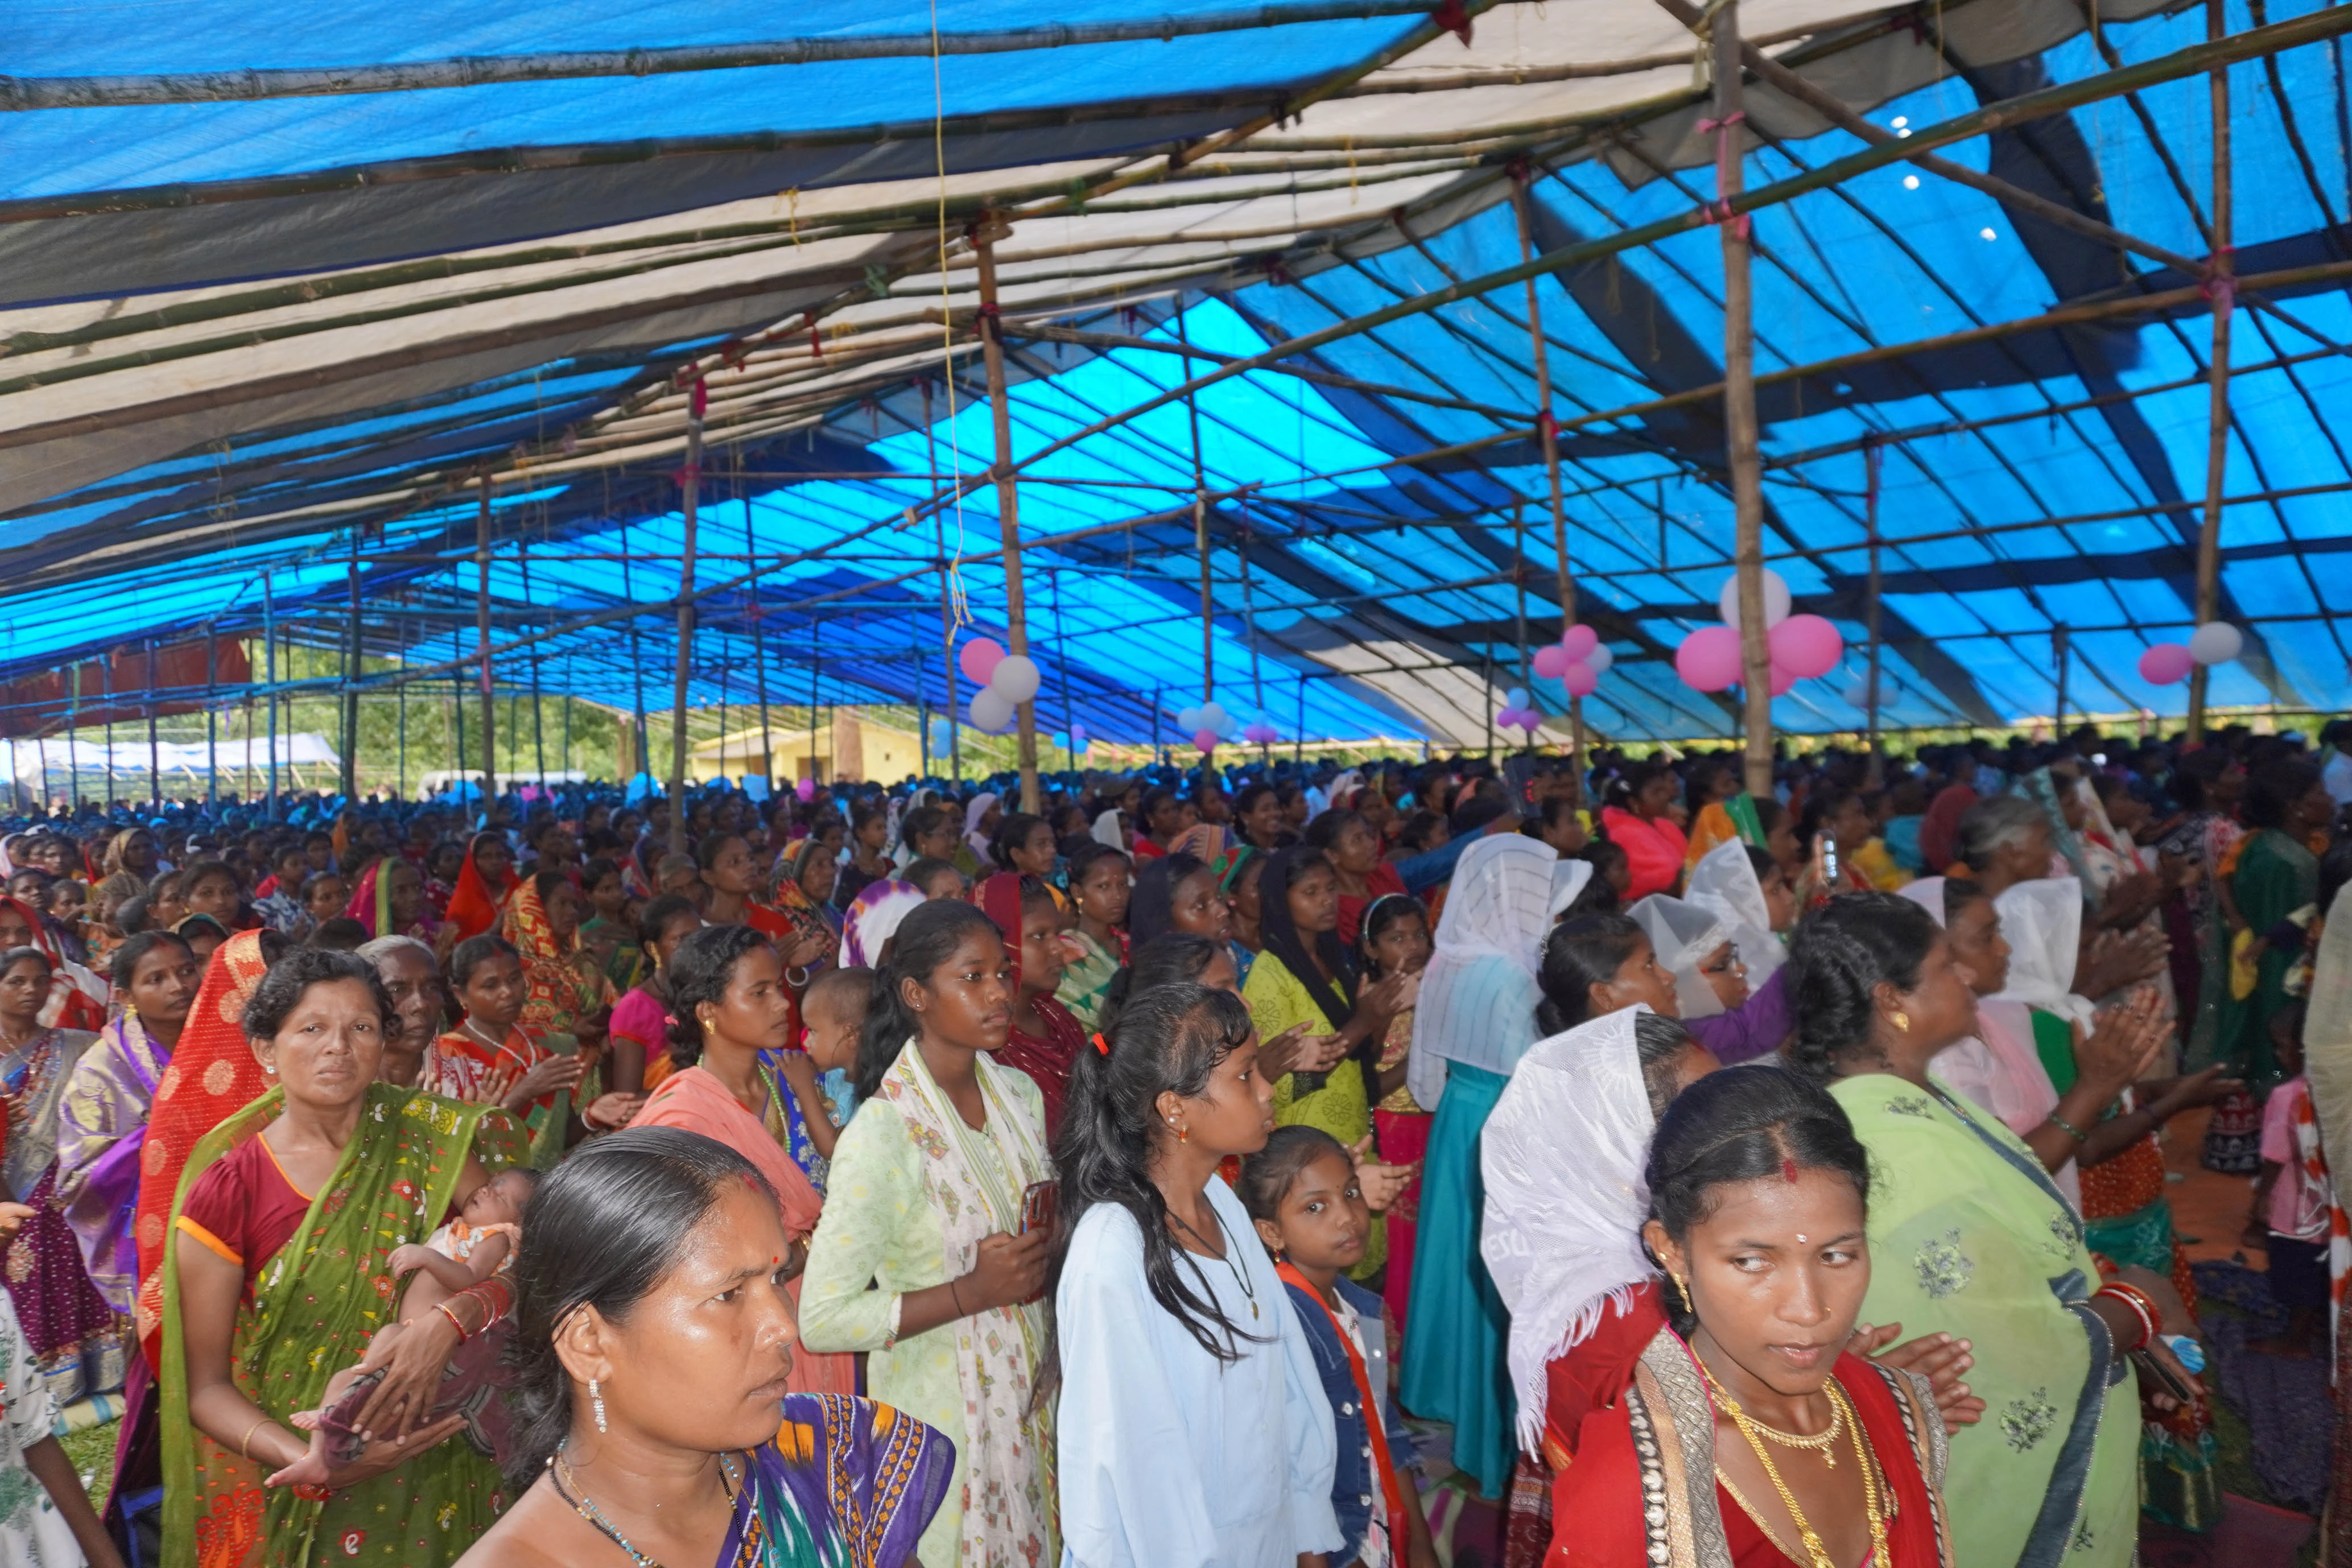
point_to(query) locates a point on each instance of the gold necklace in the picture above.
(1870, 1499)
(1820, 1442)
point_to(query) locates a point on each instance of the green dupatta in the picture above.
(314, 1306)
(1969, 1235)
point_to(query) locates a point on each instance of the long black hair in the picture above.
(1837, 956)
(1744, 1124)
(1283, 939)
(601, 1231)
(1168, 1039)
(927, 939)
(1151, 907)
(699, 972)
(1578, 954)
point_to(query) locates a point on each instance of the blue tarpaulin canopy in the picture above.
(286, 287)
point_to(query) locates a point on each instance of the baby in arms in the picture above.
(465, 1252)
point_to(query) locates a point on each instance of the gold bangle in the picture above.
(244, 1445)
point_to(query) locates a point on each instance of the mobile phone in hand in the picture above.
(1038, 1207)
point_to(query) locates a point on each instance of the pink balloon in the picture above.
(805, 789)
(1806, 646)
(979, 660)
(1582, 679)
(1709, 659)
(1205, 741)
(1552, 662)
(1578, 641)
(1783, 681)
(2166, 664)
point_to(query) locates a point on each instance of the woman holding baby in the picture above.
(279, 1273)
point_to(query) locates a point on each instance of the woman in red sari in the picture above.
(1747, 1435)
(1638, 819)
(491, 1057)
(485, 882)
(1044, 1038)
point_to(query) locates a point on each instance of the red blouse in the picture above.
(245, 1208)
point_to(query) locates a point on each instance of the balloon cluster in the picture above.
(1006, 680)
(942, 735)
(1576, 661)
(1210, 724)
(1802, 646)
(1520, 706)
(2169, 663)
(1073, 740)
(1260, 733)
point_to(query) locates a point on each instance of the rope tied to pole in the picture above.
(1726, 132)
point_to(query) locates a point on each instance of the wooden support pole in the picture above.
(1739, 404)
(154, 748)
(759, 637)
(2060, 647)
(984, 235)
(403, 696)
(482, 636)
(1547, 428)
(1869, 514)
(2221, 286)
(690, 482)
(947, 598)
(212, 724)
(640, 762)
(349, 704)
(270, 677)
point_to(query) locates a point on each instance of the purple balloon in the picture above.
(1578, 641)
(1709, 659)
(1582, 679)
(1552, 662)
(805, 789)
(1806, 646)
(2166, 664)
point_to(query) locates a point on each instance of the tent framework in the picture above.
(1472, 323)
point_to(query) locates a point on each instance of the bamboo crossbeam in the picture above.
(19, 94)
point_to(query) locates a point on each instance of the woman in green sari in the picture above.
(2276, 890)
(1972, 1238)
(277, 1277)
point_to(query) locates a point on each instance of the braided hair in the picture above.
(1838, 956)
(1578, 955)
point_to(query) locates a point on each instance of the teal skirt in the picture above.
(1455, 1328)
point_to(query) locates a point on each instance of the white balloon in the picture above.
(2216, 642)
(1014, 677)
(1599, 659)
(1188, 719)
(992, 712)
(1776, 599)
(1213, 716)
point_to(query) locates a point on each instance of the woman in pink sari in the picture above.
(728, 993)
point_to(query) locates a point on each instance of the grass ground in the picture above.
(92, 1453)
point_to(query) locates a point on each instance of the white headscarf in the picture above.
(2042, 919)
(1684, 936)
(1724, 883)
(972, 812)
(1478, 995)
(1106, 830)
(1563, 1156)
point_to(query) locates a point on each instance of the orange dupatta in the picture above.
(1368, 1400)
(212, 1077)
(555, 993)
(694, 1100)
(473, 907)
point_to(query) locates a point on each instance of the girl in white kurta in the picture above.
(1192, 1426)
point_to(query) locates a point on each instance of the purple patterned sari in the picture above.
(76, 1338)
(102, 1128)
(846, 1484)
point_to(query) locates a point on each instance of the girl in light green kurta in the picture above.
(1969, 1236)
(926, 1200)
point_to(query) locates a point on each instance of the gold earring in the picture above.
(1682, 1286)
(1902, 1020)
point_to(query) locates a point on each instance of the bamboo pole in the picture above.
(984, 235)
(270, 677)
(482, 639)
(212, 723)
(1870, 516)
(1548, 427)
(2061, 647)
(350, 698)
(25, 93)
(2221, 287)
(1739, 404)
(1200, 544)
(690, 482)
(154, 747)
(759, 633)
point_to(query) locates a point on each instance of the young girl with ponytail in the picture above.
(1207, 1440)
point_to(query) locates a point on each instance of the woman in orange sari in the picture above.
(561, 982)
(728, 994)
(485, 883)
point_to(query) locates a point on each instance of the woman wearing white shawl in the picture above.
(1687, 938)
(1724, 883)
(2042, 921)
(1475, 1017)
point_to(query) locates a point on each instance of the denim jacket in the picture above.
(1355, 1483)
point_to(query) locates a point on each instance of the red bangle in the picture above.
(2142, 1307)
(444, 1309)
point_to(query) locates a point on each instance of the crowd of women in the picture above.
(1201, 1171)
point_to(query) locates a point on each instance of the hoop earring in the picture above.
(597, 1399)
